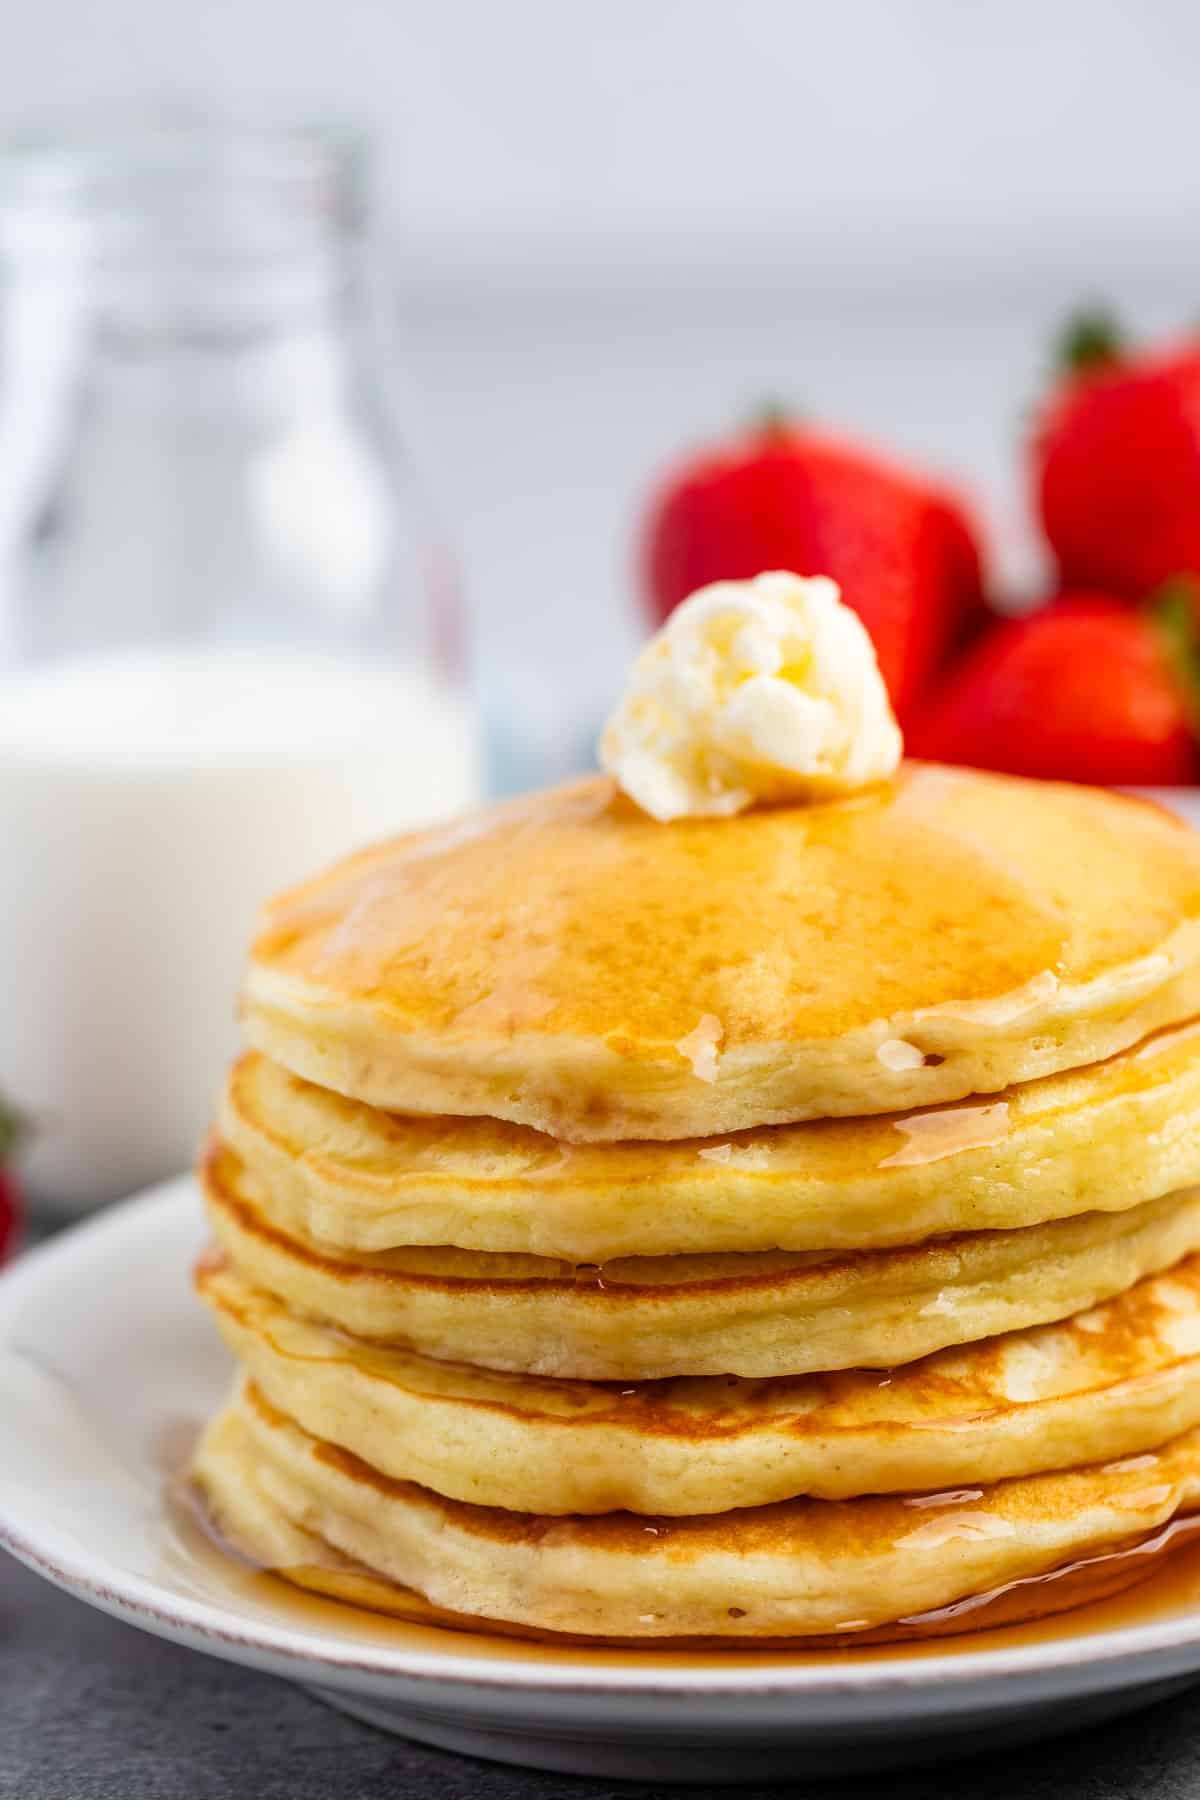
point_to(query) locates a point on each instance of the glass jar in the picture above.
(230, 643)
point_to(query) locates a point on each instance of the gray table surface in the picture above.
(94, 1710)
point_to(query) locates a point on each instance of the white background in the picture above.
(615, 227)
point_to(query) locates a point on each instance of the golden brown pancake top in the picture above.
(573, 912)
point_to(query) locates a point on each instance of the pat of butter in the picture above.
(763, 690)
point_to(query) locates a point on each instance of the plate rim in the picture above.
(1126, 1654)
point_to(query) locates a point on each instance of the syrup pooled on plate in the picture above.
(1138, 1583)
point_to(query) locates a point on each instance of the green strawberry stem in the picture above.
(13, 1126)
(773, 420)
(1091, 340)
(1174, 609)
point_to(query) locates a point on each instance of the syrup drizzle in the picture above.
(930, 1136)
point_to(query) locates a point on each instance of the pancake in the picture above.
(774, 1313)
(1110, 1383)
(802, 1567)
(1105, 1137)
(567, 963)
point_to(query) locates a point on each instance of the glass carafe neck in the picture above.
(172, 232)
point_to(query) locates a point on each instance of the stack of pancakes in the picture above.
(762, 1228)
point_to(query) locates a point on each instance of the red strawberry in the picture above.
(1117, 464)
(11, 1207)
(903, 552)
(1086, 690)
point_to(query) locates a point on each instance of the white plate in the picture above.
(106, 1368)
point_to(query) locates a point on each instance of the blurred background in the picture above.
(599, 237)
(614, 230)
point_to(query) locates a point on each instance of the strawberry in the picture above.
(1089, 689)
(1117, 464)
(780, 497)
(11, 1207)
